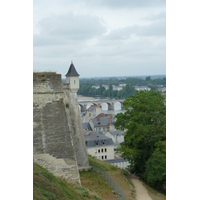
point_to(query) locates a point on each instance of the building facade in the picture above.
(99, 145)
(91, 112)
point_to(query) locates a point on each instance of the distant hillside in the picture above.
(48, 187)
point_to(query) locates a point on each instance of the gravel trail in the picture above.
(141, 191)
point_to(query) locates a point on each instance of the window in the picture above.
(105, 150)
(98, 150)
(74, 81)
(105, 157)
(101, 150)
(95, 150)
(102, 157)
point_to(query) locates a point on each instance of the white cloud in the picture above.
(57, 30)
(97, 36)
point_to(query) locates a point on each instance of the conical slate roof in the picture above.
(72, 71)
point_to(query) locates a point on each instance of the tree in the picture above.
(144, 123)
(126, 91)
(110, 90)
(148, 78)
(155, 173)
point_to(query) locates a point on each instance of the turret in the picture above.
(72, 78)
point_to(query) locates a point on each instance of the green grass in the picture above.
(43, 73)
(155, 195)
(48, 187)
(105, 165)
(96, 183)
(90, 179)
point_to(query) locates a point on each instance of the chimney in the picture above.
(99, 118)
(111, 118)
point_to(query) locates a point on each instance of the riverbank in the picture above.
(85, 98)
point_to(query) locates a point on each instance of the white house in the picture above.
(99, 145)
(142, 88)
(96, 86)
(122, 84)
(118, 88)
(106, 86)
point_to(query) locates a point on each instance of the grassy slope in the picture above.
(95, 183)
(155, 195)
(48, 187)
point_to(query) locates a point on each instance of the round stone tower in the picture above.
(72, 79)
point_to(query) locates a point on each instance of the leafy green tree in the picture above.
(110, 90)
(155, 173)
(126, 91)
(144, 124)
(148, 78)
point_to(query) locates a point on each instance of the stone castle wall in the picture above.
(58, 141)
(77, 132)
(47, 82)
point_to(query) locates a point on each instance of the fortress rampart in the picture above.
(58, 141)
(47, 82)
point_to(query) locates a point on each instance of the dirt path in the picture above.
(141, 192)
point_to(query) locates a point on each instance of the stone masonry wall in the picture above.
(57, 129)
(77, 131)
(47, 83)
(52, 142)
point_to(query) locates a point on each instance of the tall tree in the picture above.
(148, 78)
(144, 123)
(110, 90)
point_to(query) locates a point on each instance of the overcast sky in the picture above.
(101, 37)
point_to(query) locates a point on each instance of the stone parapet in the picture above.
(47, 82)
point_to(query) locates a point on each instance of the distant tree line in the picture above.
(87, 83)
(116, 81)
(87, 90)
